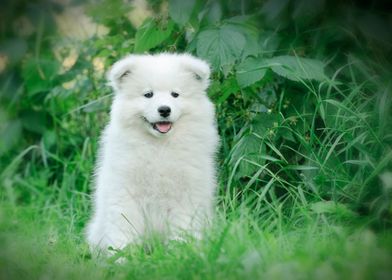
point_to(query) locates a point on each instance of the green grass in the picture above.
(43, 242)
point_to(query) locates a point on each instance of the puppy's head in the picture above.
(153, 92)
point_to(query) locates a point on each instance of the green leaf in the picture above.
(14, 49)
(297, 68)
(152, 33)
(302, 167)
(247, 155)
(49, 138)
(38, 74)
(228, 87)
(331, 207)
(10, 135)
(94, 106)
(247, 26)
(250, 71)
(180, 11)
(323, 207)
(268, 95)
(220, 46)
(269, 43)
(263, 123)
(286, 134)
(108, 10)
(305, 10)
(211, 14)
(272, 9)
(34, 121)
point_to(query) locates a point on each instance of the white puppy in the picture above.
(156, 166)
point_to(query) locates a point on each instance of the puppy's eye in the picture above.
(175, 94)
(149, 94)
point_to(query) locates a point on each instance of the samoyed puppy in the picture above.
(156, 166)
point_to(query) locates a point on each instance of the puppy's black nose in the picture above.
(164, 111)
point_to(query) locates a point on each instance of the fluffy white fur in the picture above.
(147, 181)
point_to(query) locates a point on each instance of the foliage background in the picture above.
(303, 97)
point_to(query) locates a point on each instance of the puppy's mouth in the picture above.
(162, 127)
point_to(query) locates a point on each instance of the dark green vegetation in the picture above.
(303, 97)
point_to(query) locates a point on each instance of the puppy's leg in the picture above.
(116, 227)
(188, 222)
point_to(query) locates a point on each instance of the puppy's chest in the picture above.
(160, 175)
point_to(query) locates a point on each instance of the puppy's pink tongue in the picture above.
(163, 127)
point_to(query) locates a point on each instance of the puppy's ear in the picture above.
(199, 69)
(120, 71)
